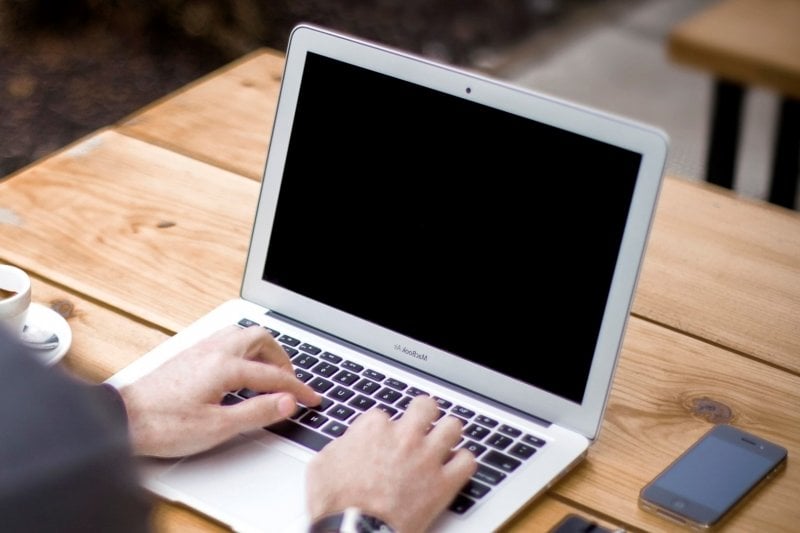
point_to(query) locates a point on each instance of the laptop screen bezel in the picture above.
(645, 140)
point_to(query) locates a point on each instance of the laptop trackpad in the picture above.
(243, 481)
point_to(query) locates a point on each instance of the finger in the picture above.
(259, 377)
(238, 341)
(457, 471)
(420, 414)
(370, 420)
(259, 411)
(258, 345)
(444, 435)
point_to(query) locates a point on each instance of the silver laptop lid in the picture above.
(478, 232)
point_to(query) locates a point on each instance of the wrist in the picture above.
(351, 520)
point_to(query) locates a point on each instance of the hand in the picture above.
(175, 410)
(397, 471)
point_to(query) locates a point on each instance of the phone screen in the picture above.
(713, 475)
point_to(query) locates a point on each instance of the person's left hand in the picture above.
(175, 410)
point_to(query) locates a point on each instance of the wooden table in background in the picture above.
(744, 44)
(142, 227)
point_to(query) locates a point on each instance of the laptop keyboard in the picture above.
(348, 389)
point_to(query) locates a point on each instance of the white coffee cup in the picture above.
(15, 298)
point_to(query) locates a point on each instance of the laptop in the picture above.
(423, 229)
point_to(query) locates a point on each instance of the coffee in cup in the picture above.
(15, 298)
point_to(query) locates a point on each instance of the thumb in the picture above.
(263, 410)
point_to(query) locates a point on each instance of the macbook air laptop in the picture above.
(423, 229)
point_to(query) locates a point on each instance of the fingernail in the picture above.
(286, 405)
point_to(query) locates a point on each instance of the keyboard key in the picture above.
(323, 404)
(291, 352)
(346, 377)
(510, 431)
(246, 323)
(353, 367)
(395, 384)
(366, 386)
(321, 385)
(300, 434)
(314, 419)
(247, 393)
(305, 360)
(499, 441)
(272, 332)
(341, 394)
(325, 369)
(231, 399)
(413, 391)
(522, 450)
(302, 375)
(403, 404)
(388, 395)
(361, 402)
(341, 412)
(488, 475)
(501, 461)
(474, 431)
(375, 376)
(335, 429)
(308, 348)
(462, 411)
(441, 402)
(475, 448)
(486, 421)
(461, 504)
(475, 489)
(286, 339)
(534, 441)
(333, 358)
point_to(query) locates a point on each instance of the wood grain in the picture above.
(725, 268)
(224, 119)
(753, 42)
(659, 407)
(150, 232)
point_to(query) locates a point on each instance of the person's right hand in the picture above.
(397, 471)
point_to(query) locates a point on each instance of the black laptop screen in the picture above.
(485, 234)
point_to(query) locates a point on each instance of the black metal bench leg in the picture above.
(725, 124)
(786, 159)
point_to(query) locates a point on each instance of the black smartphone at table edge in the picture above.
(702, 487)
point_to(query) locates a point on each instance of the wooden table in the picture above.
(140, 228)
(747, 43)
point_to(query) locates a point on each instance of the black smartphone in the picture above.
(702, 486)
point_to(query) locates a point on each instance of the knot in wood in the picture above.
(711, 410)
(62, 307)
(165, 224)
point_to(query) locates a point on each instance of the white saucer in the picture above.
(45, 318)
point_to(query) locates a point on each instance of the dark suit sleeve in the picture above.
(65, 458)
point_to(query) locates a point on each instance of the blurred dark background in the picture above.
(68, 67)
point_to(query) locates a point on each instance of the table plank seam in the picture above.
(716, 344)
(95, 301)
(186, 153)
